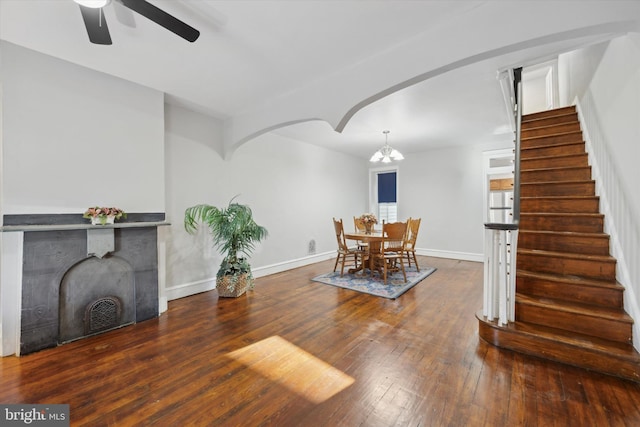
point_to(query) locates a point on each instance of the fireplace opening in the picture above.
(96, 295)
(102, 315)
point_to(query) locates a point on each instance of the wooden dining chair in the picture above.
(359, 226)
(345, 251)
(390, 255)
(413, 225)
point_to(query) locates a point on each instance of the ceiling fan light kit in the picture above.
(94, 20)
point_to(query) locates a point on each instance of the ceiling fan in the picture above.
(96, 25)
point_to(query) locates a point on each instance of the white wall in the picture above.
(444, 187)
(73, 138)
(70, 138)
(293, 188)
(611, 104)
(576, 69)
(605, 81)
(615, 89)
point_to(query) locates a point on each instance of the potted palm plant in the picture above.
(234, 232)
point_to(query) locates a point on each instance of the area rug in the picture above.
(395, 286)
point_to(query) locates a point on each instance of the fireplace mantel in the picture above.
(62, 222)
(58, 227)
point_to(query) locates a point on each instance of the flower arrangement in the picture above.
(102, 215)
(368, 218)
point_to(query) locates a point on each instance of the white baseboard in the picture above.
(163, 305)
(186, 289)
(463, 256)
(193, 288)
(295, 263)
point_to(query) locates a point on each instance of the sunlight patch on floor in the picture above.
(304, 374)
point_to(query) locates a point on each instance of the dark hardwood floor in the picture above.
(294, 352)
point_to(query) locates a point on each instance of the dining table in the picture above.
(373, 240)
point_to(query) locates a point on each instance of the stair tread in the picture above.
(582, 214)
(570, 279)
(549, 113)
(597, 258)
(560, 144)
(568, 113)
(528, 138)
(575, 181)
(610, 348)
(560, 197)
(590, 310)
(557, 168)
(565, 233)
(551, 157)
(550, 126)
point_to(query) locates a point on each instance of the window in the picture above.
(384, 201)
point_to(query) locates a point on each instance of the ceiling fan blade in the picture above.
(162, 18)
(96, 25)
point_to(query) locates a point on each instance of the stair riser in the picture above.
(586, 268)
(579, 224)
(562, 243)
(560, 174)
(549, 113)
(574, 322)
(548, 121)
(558, 189)
(543, 141)
(555, 150)
(543, 288)
(554, 162)
(559, 351)
(561, 205)
(550, 130)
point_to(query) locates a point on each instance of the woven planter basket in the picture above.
(233, 286)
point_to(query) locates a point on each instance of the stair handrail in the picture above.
(501, 239)
(517, 82)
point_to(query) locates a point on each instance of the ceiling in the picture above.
(260, 56)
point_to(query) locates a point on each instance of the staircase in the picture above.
(569, 307)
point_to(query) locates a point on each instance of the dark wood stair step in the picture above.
(560, 204)
(559, 118)
(558, 188)
(546, 140)
(570, 288)
(564, 241)
(574, 173)
(553, 150)
(603, 322)
(552, 221)
(550, 130)
(548, 113)
(567, 160)
(600, 355)
(599, 267)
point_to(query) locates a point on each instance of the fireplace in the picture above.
(96, 295)
(82, 280)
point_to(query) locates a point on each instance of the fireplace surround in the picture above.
(79, 280)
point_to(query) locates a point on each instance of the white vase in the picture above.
(98, 221)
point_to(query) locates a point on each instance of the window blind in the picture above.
(387, 187)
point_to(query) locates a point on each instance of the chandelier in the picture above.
(386, 154)
(94, 4)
